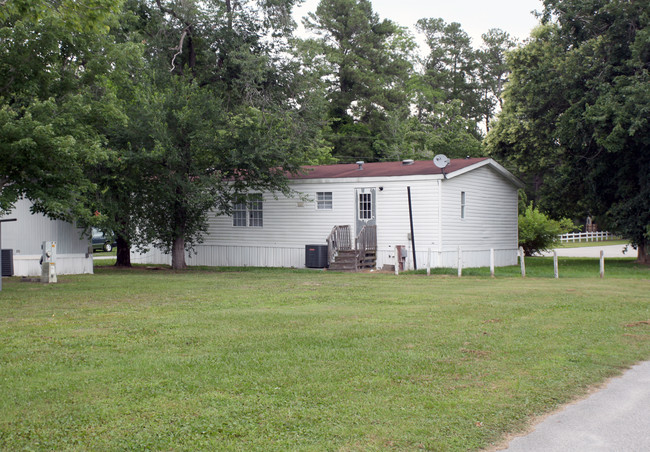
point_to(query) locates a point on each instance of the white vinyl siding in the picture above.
(493, 219)
(289, 222)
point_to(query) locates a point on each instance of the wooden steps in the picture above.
(348, 261)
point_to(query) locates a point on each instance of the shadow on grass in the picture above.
(108, 265)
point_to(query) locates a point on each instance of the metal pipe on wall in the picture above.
(415, 262)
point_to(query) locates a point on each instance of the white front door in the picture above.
(366, 209)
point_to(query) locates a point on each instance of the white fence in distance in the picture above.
(598, 236)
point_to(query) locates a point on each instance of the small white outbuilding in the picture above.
(25, 236)
(470, 205)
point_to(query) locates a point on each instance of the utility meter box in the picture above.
(401, 253)
(48, 262)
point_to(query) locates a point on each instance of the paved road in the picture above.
(594, 251)
(616, 418)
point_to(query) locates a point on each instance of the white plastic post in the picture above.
(521, 262)
(396, 261)
(556, 270)
(492, 262)
(428, 261)
(602, 263)
(460, 262)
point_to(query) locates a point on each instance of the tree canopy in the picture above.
(222, 111)
(575, 120)
(366, 68)
(54, 95)
(145, 117)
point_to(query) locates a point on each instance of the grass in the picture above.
(568, 267)
(104, 262)
(268, 359)
(112, 252)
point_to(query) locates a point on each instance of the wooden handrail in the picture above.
(338, 240)
(365, 241)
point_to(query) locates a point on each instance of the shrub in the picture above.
(537, 232)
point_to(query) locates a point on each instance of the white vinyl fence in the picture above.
(587, 236)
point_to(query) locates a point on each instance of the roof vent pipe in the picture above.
(407, 162)
(360, 163)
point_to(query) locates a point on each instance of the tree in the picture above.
(447, 93)
(575, 114)
(222, 113)
(449, 69)
(52, 95)
(493, 71)
(443, 131)
(119, 201)
(538, 232)
(364, 61)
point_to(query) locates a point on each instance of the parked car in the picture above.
(101, 241)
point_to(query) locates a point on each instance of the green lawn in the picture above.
(568, 267)
(307, 360)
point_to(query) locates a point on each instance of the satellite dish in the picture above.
(441, 161)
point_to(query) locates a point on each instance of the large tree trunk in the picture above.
(123, 253)
(178, 254)
(643, 256)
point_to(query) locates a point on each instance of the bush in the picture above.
(537, 232)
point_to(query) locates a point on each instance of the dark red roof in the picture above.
(383, 169)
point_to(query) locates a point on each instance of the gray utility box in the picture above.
(48, 262)
(315, 256)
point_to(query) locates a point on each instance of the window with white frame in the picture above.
(239, 214)
(365, 206)
(324, 200)
(250, 213)
(462, 204)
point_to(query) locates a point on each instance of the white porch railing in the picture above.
(587, 236)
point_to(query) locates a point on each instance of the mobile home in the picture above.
(416, 211)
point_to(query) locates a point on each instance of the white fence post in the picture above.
(492, 262)
(602, 263)
(556, 270)
(428, 261)
(460, 262)
(396, 261)
(521, 262)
